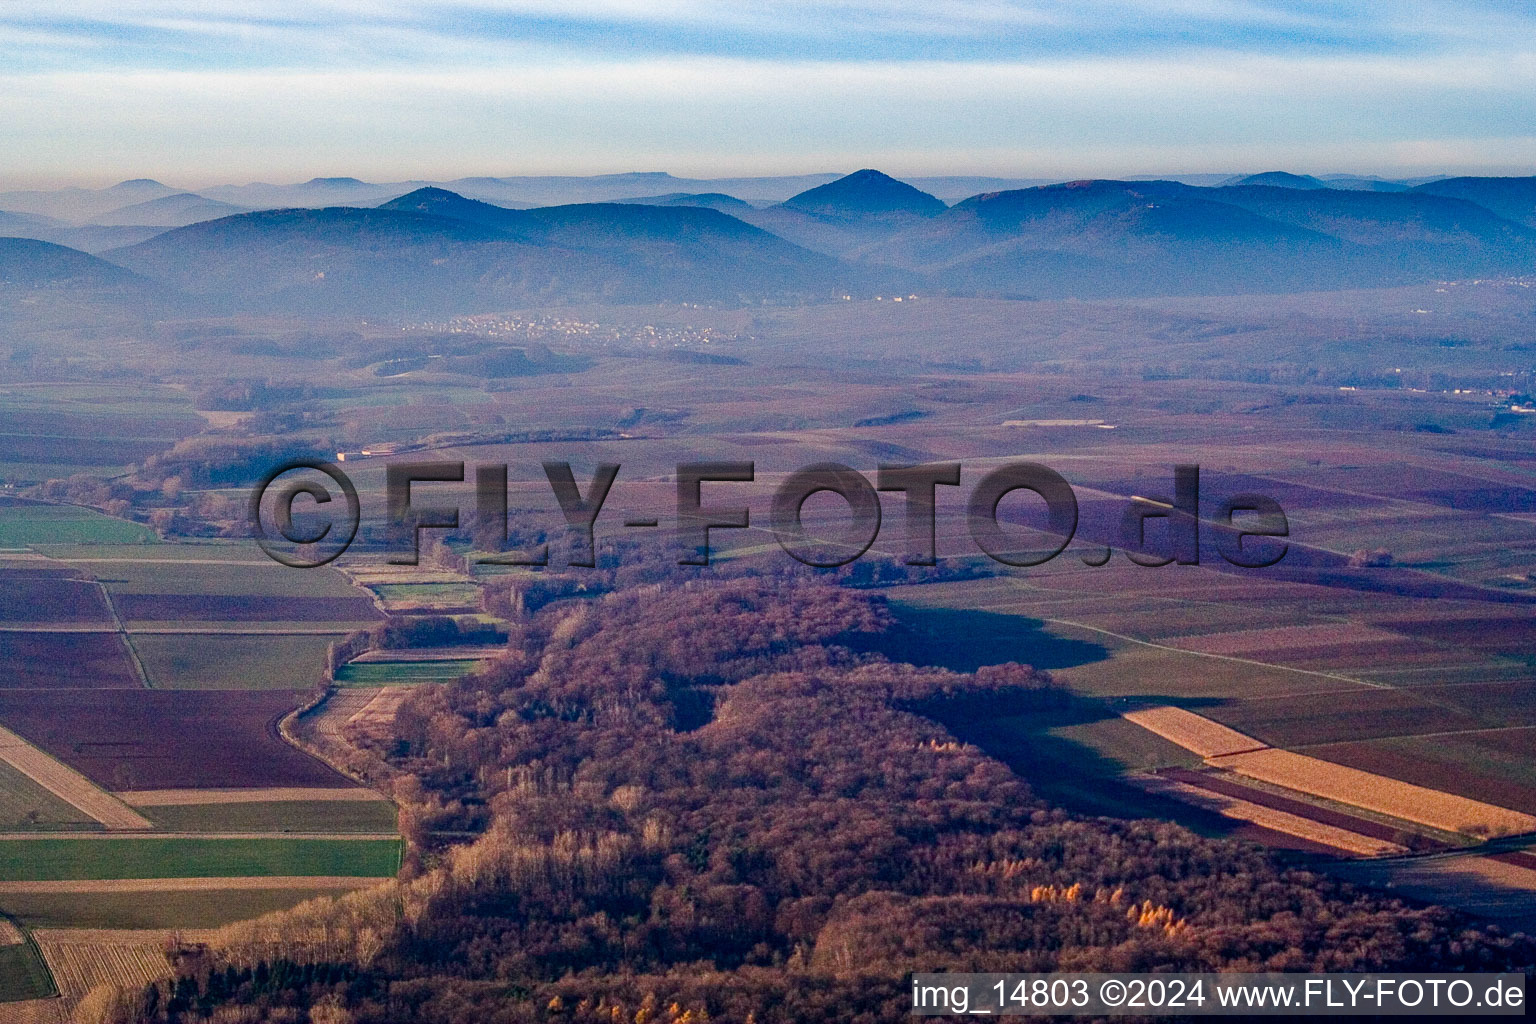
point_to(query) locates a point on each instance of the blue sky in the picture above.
(238, 90)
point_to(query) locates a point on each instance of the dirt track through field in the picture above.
(68, 785)
(274, 794)
(117, 885)
(1221, 657)
(122, 631)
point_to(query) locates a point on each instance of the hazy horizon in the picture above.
(231, 91)
(183, 184)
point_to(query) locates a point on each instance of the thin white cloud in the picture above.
(229, 89)
(1208, 111)
(309, 30)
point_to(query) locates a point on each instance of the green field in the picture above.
(392, 673)
(228, 551)
(429, 593)
(32, 860)
(24, 806)
(23, 974)
(199, 909)
(24, 525)
(372, 816)
(232, 661)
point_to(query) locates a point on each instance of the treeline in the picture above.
(694, 802)
(407, 631)
(198, 462)
(258, 395)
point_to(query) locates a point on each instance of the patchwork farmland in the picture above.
(177, 803)
(1364, 703)
(158, 739)
(1332, 711)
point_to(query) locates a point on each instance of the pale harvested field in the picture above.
(272, 794)
(122, 936)
(67, 784)
(112, 885)
(34, 1011)
(82, 958)
(1192, 732)
(1270, 818)
(81, 964)
(336, 730)
(1377, 793)
(367, 710)
(10, 935)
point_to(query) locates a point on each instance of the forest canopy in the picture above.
(695, 801)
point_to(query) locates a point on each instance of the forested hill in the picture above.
(695, 803)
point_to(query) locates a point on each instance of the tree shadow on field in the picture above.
(1075, 777)
(1060, 770)
(964, 640)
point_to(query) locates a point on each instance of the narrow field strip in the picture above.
(1229, 785)
(135, 885)
(406, 654)
(68, 785)
(271, 794)
(1250, 641)
(245, 856)
(151, 837)
(1270, 818)
(1377, 793)
(1236, 752)
(138, 629)
(1193, 732)
(157, 561)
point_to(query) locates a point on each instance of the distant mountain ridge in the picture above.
(1279, 179)
(172, 211)
(433, 249)
(1102, 238)
(713, 200)
(29, 263)
(1511, 198)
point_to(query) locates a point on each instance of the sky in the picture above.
(201, 92)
